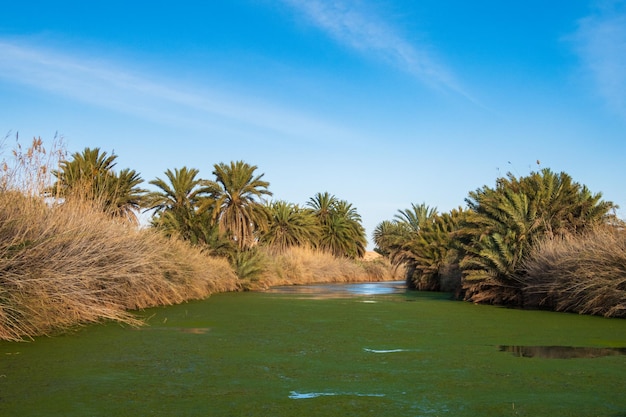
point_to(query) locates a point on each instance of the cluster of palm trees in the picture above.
(91, 175)
(229, 215)
(481, 248)
(424, 242)
(326, 223)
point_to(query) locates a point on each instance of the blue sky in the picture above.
(381, 103)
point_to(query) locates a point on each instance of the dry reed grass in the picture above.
(300, 266)
(585, 275)
(62, 265)
(67, 264)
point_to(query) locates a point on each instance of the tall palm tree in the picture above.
(502, 230)
(183, 191)
(238, 206)
(90, 175)
(289, 226)
(86, 172)
(564, 205)
(178, 204)
(322, 205)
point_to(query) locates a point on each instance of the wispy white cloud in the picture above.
(112, 85)
(600, 42)
(352, 25)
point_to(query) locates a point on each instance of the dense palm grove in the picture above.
(497, 249)
(228, 215)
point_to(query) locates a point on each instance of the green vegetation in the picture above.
(341, 232)
(495, 250)
(179, 209)
(90, 175)
(422, 241)
(290, 226)
(237, 204)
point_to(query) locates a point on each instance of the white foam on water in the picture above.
(386, 350)
(295, 395)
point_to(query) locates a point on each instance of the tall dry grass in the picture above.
(68, 264)
(62, 265)
(299, 266)
(585, 274)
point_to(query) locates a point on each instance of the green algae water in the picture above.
(367, 350)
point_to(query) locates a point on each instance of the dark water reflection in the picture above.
(561, 352)
(343, 290)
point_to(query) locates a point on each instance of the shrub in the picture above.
(585, 274)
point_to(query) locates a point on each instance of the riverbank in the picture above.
(67, 265)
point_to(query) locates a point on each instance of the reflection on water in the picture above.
(561, 352)
(343, 290)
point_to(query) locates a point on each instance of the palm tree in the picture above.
(90, 175)
(182, 191)
(417, 216)
(238, 206)
(85, 173)
(384, 235)
(565, 206)
(502, 230)
(322, 205)
(179, 205)
(289, 226)
(341, 231)
(356, 232)
(126, 198)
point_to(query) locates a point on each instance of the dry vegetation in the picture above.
(70, 264)
(62, 265)
(585, 275)
(300, 266)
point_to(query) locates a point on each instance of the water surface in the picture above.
(343, 290)
(367, 352)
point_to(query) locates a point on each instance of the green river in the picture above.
(328, 350)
